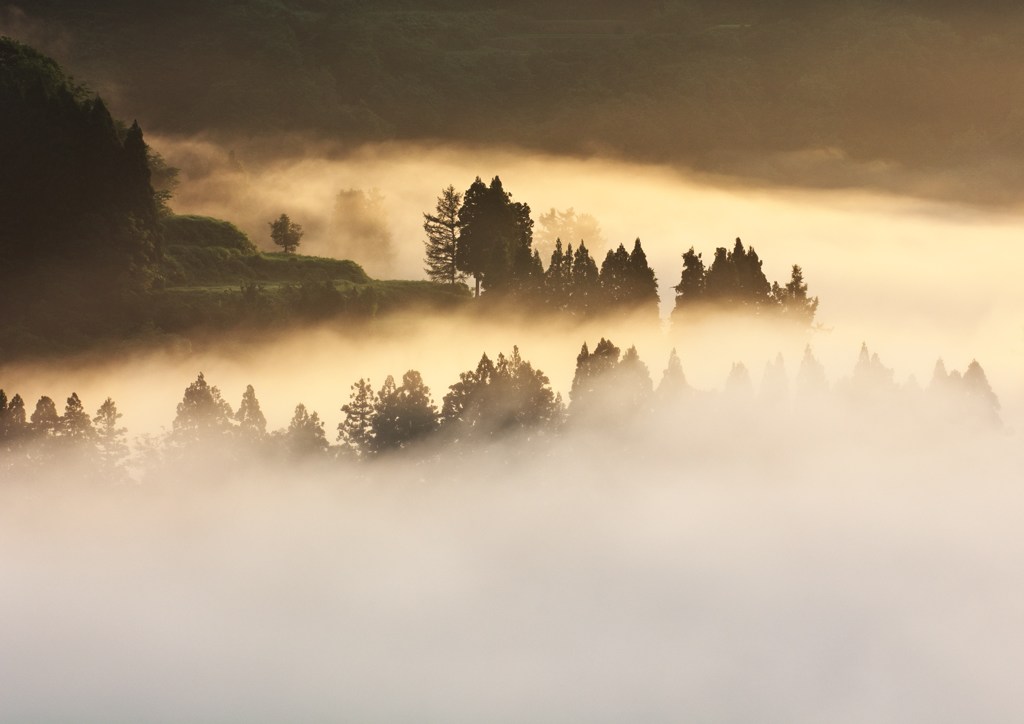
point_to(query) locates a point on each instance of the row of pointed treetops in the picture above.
(496, 399)
(485, 236)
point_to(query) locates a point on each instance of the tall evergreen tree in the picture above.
(305, 434)
(558, 278)
(202, 414)
(794, 304)
(45, 421)
(442, 230)
(976, 384)
(592, 369)
(871, 379)
(403, 414)
(738, 384)
(496, 237)
(75, 424)
(673, 383)
(252, 424)
(355, 432)
(643, 284)
(632, 380)
(585, 290)
(499, 397)
(616, 281)
(15, 424)
(753, 287)
(465, 405)
(720, 282)
(736, 279)
(110, 437)
(690, 289)
(528, 286)
(940, 378)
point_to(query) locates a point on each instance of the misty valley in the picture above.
(452, 362)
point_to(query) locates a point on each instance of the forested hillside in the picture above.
(92, 254)
(736, 86)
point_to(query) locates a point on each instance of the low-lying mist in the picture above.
(847, 558)
(901, 273)
(708, 562)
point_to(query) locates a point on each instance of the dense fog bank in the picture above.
(716, 566)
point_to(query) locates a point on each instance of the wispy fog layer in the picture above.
(721, 560)
(703, 567)
(903, 274)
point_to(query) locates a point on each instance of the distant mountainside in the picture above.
(745, 87)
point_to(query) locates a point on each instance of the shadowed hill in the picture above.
(91, 255)
(826, 94)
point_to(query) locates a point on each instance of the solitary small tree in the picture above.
(285, 233)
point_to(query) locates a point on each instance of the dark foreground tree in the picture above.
(690, 289)
(285, 233)
(585, 286)
(495, 239)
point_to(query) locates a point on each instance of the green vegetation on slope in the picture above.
(91, 255)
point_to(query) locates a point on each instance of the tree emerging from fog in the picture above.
(403, 414)
(488, 236)
(495, 238)
(202, 414)
(736, 282)
(495, 400)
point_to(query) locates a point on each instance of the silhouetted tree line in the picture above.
(734, 280)
(497, 399)
(96, 444)
(486, 236)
